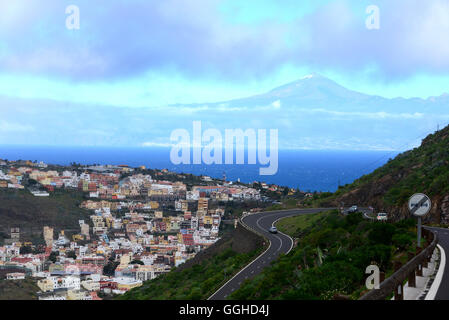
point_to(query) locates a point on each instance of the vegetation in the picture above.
(19, 208)
(293, 226)
(201, 276)
(18, 289)
(331, 257)
(195, 283)
(424, 169)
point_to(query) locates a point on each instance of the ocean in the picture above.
(304, 169)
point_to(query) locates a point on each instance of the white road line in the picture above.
(439, 277)
(249, 264)
(291, 240)
(268, 214)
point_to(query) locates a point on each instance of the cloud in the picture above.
(372, 115)
(411, 38)
(150, 144)
(14, 127)
(122, 39)
(276, 104)
(196, 39)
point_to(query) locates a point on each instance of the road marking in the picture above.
(249, 264)
(270, 214)
(439, 277)
(291, 240)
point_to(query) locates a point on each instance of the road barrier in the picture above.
(244, 225)
(409, 271)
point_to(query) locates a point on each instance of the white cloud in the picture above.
(14, 127)
(276, 104)
(370, 115)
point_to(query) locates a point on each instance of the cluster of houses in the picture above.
(129, 237)
(139, 246)
(11, 178)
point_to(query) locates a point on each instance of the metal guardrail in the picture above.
(409, 271)
(243, 224)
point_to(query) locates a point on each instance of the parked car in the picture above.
(273, 230)
(353, 209)
(382, 216)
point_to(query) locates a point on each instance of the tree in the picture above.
(53, 256)
(71, 254)
(109, 268)
(26, 250)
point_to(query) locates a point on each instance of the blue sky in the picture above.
(145, 53)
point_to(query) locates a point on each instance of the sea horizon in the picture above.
(307, 170)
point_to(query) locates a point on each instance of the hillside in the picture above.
(18, 289)
(330, 259)
(424, 169)
(201, 276)
(29, 213)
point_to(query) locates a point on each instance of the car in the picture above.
(382, 216)
(273, 229)
(353, 209)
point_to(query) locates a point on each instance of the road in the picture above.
(443, 241)
(279, 243)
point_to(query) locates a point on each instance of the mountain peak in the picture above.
(313, 75)
(312, 85)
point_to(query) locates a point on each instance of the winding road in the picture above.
(282, 243)
(279, 243)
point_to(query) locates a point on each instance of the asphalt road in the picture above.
(279, 243)
(443, 241)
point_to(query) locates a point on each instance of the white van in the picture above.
(382, 216)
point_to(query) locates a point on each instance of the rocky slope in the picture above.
(424, 169)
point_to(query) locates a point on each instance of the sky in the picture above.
(145, 53)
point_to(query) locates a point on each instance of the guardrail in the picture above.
(409, 271)
(244, 225)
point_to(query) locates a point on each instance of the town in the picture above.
(139, 226)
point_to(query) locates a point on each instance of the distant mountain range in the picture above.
(311, 113)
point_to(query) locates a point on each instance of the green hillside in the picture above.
(201, 276)
(19, 208)
(331, 257)
(424, 169)
(18, 289)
